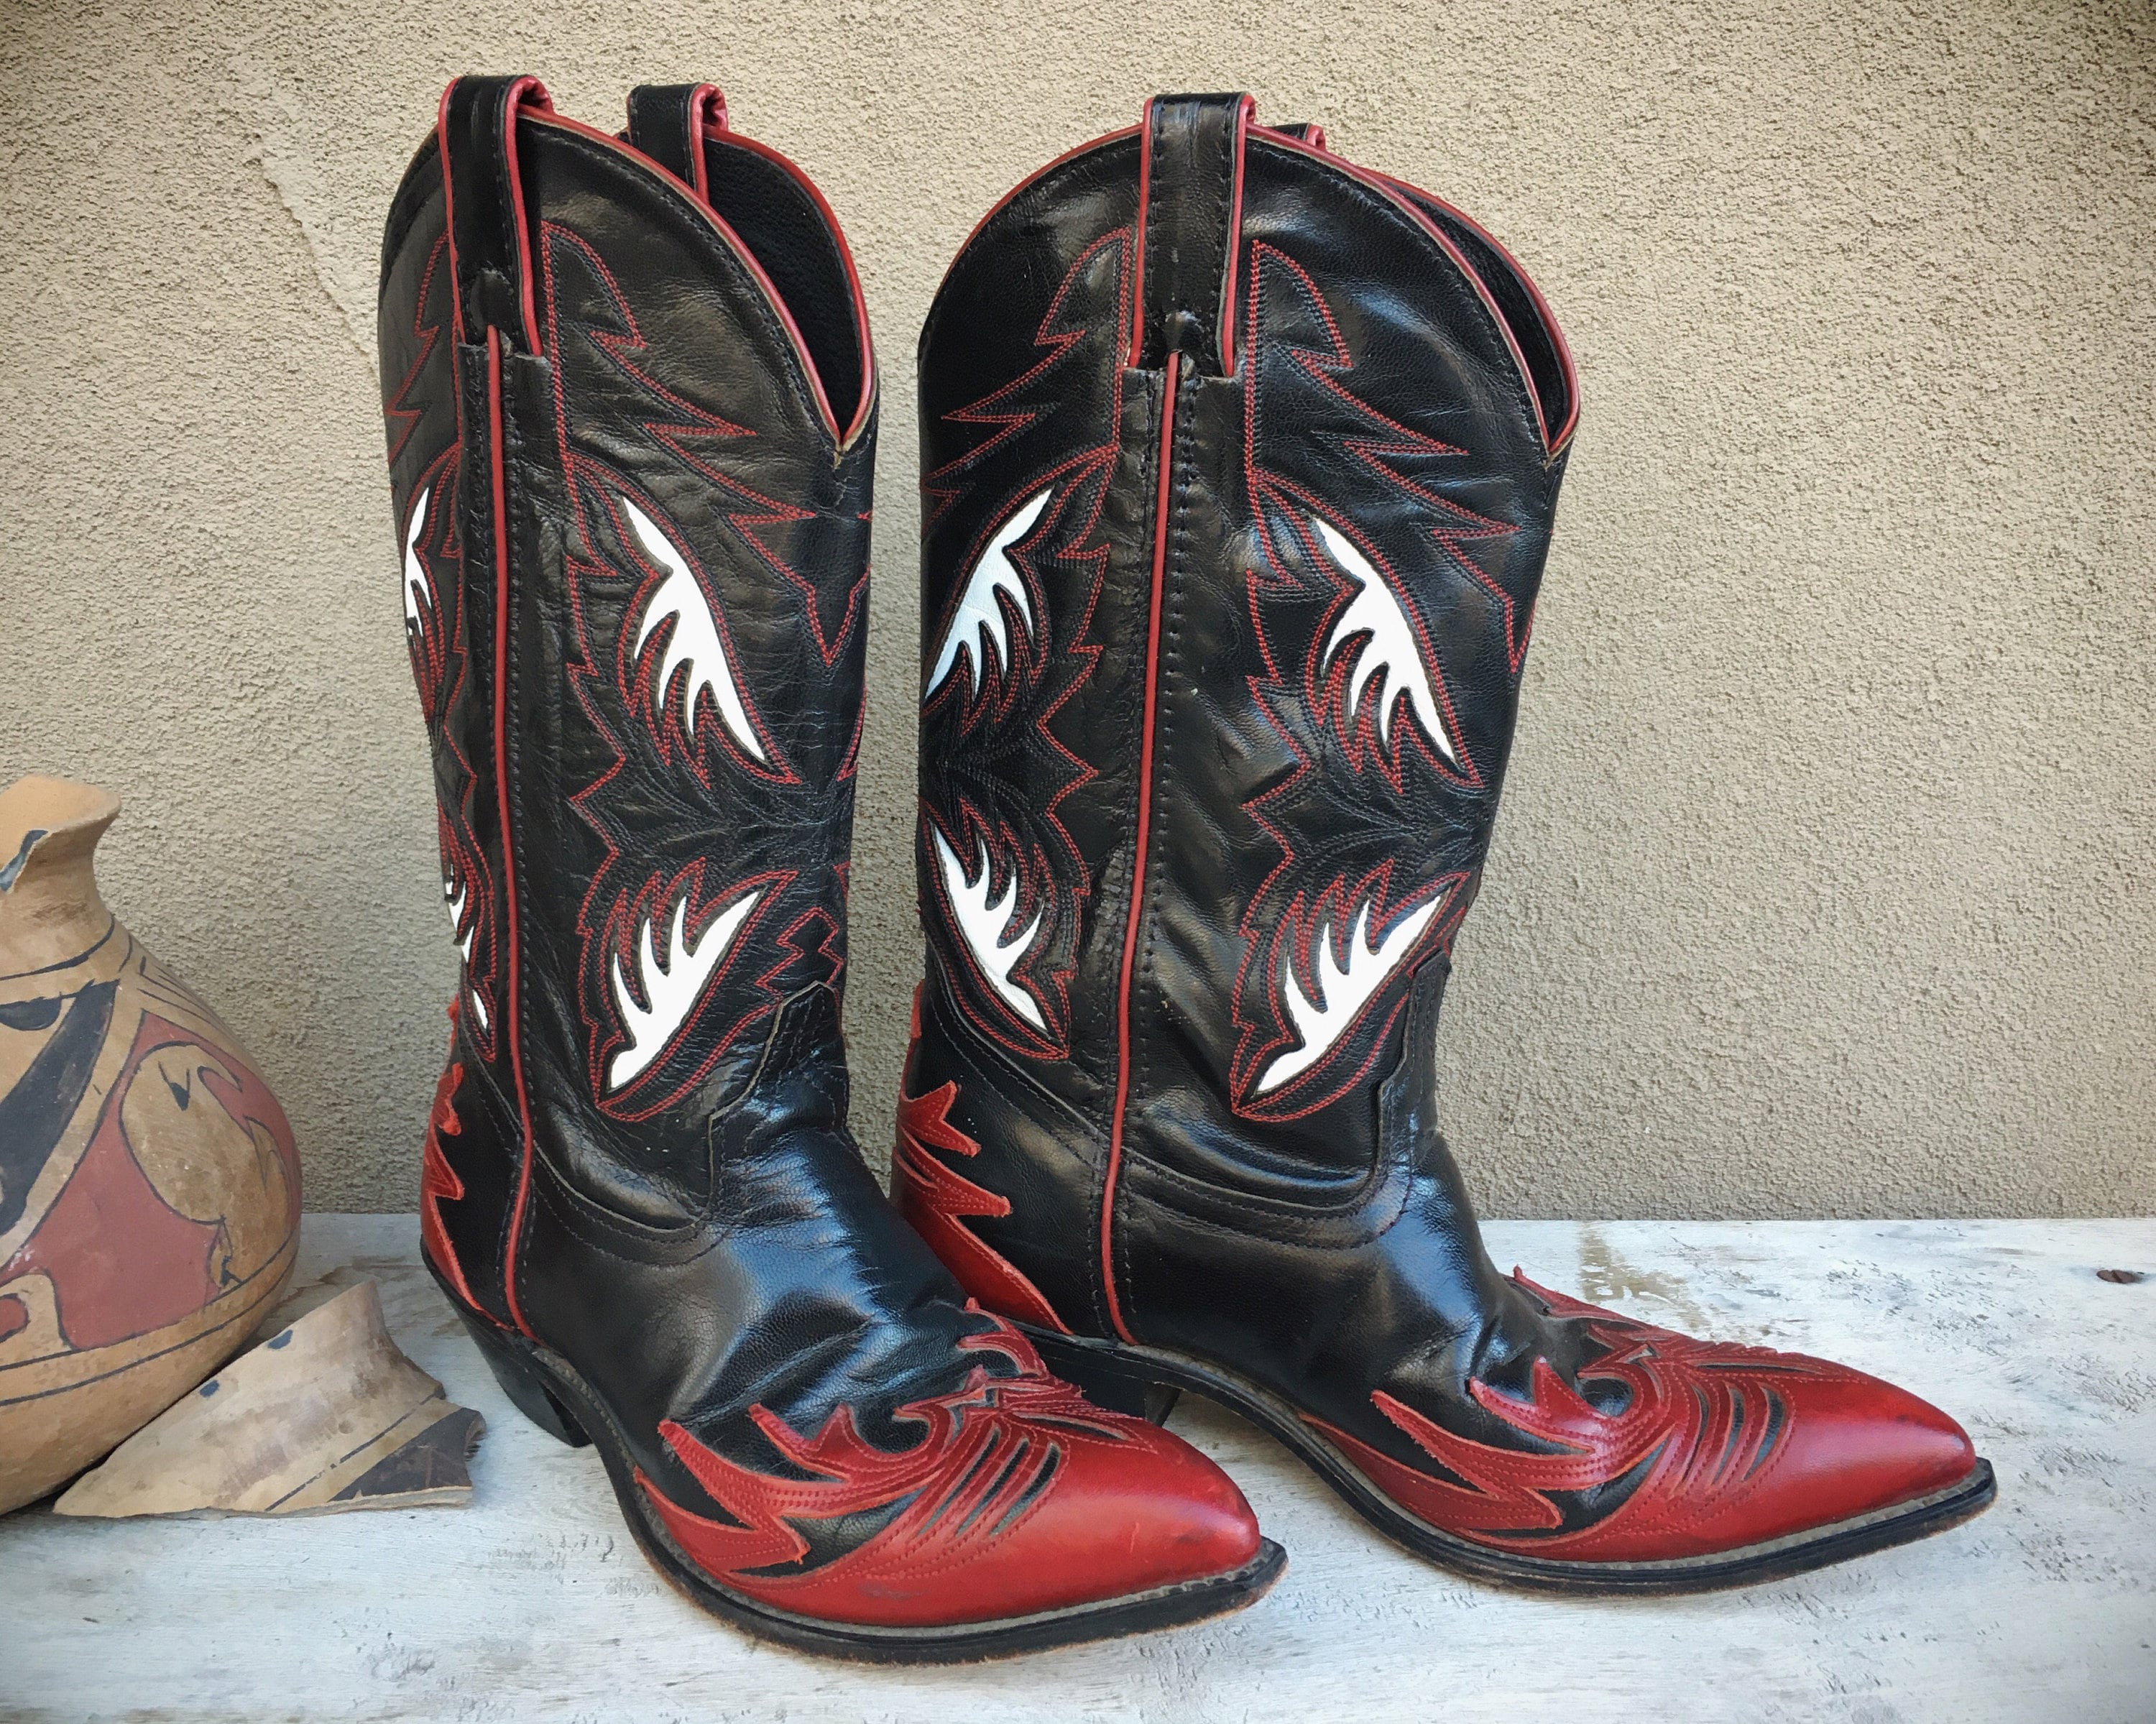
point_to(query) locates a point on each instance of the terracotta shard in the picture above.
(325, 1415)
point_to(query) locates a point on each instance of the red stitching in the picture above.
(426, 334)
(1325, 1082)
(1383, 185)
(742, 255)
(639, 1100)
(698, 421)
(992, 698)
(1245, 113)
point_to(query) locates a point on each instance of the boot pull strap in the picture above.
(1190, 212)
(490, 237)
(1306, 132)
(669, 122)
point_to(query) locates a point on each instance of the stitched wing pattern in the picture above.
(1012, 645)
(713, 834)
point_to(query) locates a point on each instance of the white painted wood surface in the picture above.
(534, 1603)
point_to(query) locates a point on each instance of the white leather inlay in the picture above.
(977, 626)
(981, 925)
(1390, 663)
(695, 641)
(1341, 991)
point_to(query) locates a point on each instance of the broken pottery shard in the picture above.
(325, 1415)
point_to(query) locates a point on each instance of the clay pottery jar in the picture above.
(149, 1190)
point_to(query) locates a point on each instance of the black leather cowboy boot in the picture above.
(631, 408)
(1240, 463)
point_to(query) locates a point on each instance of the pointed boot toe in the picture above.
(1020, 1502)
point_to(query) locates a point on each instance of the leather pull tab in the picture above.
(1190, 212)
(669, 122)
(490, 234)
(1303, 131)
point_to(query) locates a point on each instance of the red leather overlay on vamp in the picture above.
(1021, 1496)
(1737, 1446)
(933, 1198)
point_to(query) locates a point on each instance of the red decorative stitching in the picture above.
(428, 644)
(617, 942)
(405, 417)
(1269, 936)
(611, 937)
(757, 510)
(1060, 882)
(954, 1505)
(1701, 1423)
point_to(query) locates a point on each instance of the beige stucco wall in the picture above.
(1824, 886)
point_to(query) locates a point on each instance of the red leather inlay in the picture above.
(1020, 1496)
(1736, 1445)
(438, 1180)
(933, 1198)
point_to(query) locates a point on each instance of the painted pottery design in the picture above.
(149, 1189)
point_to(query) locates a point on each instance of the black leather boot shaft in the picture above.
(650, 627)
(1307, 709)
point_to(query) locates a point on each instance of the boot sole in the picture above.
(1145, 1381)
(549, 1391)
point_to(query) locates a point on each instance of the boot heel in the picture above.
(1108, 1378)
(523, 1385)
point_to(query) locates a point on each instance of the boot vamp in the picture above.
(1498, 1411)
(821, 1420)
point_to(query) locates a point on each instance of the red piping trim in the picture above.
(706, 103)
(853, 274)
(1138, 861)
(449, 217)
(1037, 175)
(748, 259)
(498, 464)
(542, 103)
(1138, 238)
(1245, 113)
(1387, 187)
(1541, 306)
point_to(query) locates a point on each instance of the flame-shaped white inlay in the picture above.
(695, 642)
(978, 622)
(419, 590)
(981, 925)
(457, 896)
(1390, 664)
(672, 984)
(1342, 993)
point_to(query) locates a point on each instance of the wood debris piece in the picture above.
(325, 1415)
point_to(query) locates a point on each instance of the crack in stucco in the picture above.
(347, 279)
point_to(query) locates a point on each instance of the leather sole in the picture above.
(1145, 1381)
(549, 1391)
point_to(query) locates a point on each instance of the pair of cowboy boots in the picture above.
(1239, 467)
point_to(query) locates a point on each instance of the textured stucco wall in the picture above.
(1824, 886)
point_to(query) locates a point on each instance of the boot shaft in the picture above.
(635, 531)
(1236, 521)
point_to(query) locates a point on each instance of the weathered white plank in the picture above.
(534, 1603)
